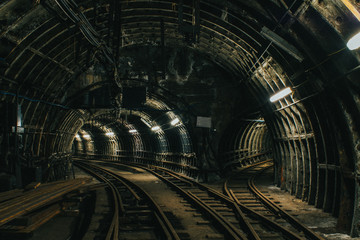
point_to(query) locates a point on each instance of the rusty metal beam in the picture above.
(37, 198)
(44, 56)
(352, 9)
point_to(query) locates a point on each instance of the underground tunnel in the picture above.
(206, 89)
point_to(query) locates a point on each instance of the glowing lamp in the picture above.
(175, 121)
(155, 128)
(354, 42)
(86, 136)
(281, 94)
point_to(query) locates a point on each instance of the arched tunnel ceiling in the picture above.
(196, 55)
(47, 50)
(50, 53)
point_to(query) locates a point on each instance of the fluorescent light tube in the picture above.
(281, 94)
(175, 121)
(354, 42)
(155, 128)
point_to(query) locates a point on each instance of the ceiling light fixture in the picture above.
(175, 121)
(354, 42)
(110, 134)
(281, 94)
(132, 131)
(155, 128)
(86, 136)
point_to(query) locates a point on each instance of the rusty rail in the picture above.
(34, 199)
(166, 226)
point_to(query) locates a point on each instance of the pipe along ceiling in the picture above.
(186, 84)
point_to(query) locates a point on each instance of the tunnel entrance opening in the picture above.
(247, 141)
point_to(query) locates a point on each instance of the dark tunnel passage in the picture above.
(192, 86)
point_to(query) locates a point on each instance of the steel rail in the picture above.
(286, 232)
(242, 218)
(160, 215)
(228, 200)
(113, 230)
(36, 199)
(229, 228)
(289, 234)
(270, 204)
(275, 208)
(163, 221)
(34, 194)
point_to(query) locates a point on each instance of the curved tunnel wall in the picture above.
(310, 152)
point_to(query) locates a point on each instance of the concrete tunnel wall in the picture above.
(228, 70)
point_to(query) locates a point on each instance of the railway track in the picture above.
(239, 213)
(240, 188)
(244, 213)
(232, 218)
(136, 215)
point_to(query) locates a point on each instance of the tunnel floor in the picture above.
(172, 204)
